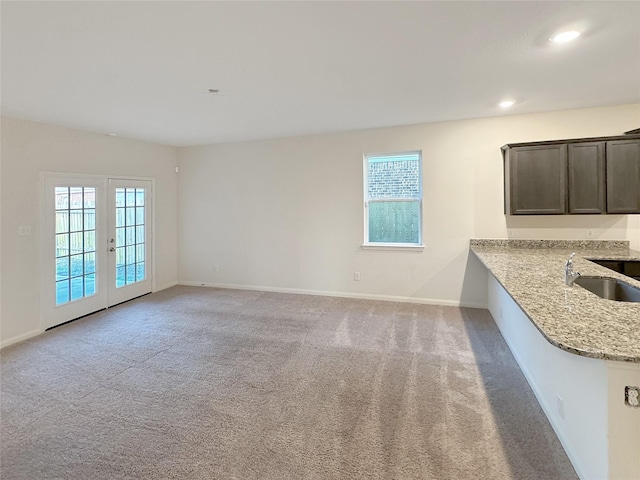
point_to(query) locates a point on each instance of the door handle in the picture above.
(112, 249)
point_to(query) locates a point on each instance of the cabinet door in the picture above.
(586, 177)
(538, 177)
(623, 176)
(632, 269)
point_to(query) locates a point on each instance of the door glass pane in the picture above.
(76, 197)
(130, 236)
(77, 265)
(77, 288)
(62, 268)
(131, 197)
(89, 198)
(131, 216)
(89, 284)
(62, 244)
(119, 276)
(90, 241)
(119, 256)
(62, 221)
(130, 248)
(120, 217)
(140, 271)
(119, 197)
(62, 292)
(131, 273)
(89, 263)
(120, 237)
(75, 220)
(130, 254)
(90, 219)
(62, 198)
(77, 242)
(75, 238)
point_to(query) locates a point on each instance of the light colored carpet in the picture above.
(198, 383)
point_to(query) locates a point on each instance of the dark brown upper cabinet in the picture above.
(623, 176)
(586, 177)
(538, 176)
(577, 176)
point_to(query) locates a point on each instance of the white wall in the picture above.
(29, 148)
(287, 213)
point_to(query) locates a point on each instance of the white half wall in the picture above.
(624, 422)
(288, 213)
(582, 397)
(29, 148)
(572, 390)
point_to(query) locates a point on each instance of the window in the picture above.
(393, 199)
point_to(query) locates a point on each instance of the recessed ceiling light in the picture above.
(112, 134)
(506, 104)
(565, 37)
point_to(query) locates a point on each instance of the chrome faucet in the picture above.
(569, 275)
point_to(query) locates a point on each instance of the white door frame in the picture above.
(47, 301)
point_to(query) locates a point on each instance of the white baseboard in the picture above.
(165, 286)
(33, 333)
(20, 338)
(362, 296)
(324, 293)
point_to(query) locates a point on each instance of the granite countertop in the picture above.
(571, 318)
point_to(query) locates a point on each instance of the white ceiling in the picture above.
(140, 69)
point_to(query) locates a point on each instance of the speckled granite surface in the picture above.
(574, 244)
(570, 318)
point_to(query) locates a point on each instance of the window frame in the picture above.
(368, 245)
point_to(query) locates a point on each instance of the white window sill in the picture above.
(399, 247)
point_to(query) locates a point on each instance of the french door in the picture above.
(96, 248)
(129, 260)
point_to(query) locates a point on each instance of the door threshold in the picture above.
(73, 320)
(128, 300)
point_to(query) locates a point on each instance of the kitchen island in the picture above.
(571, 318)
(578, 351)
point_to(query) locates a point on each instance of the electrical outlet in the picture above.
(632, 396)
(510, 233)
(215, 269)
(589, 233)
(24, 230)
(356, 276)
(560, 406)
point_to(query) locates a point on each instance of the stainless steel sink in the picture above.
(610, 288)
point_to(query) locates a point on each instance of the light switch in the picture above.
(24, 230)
